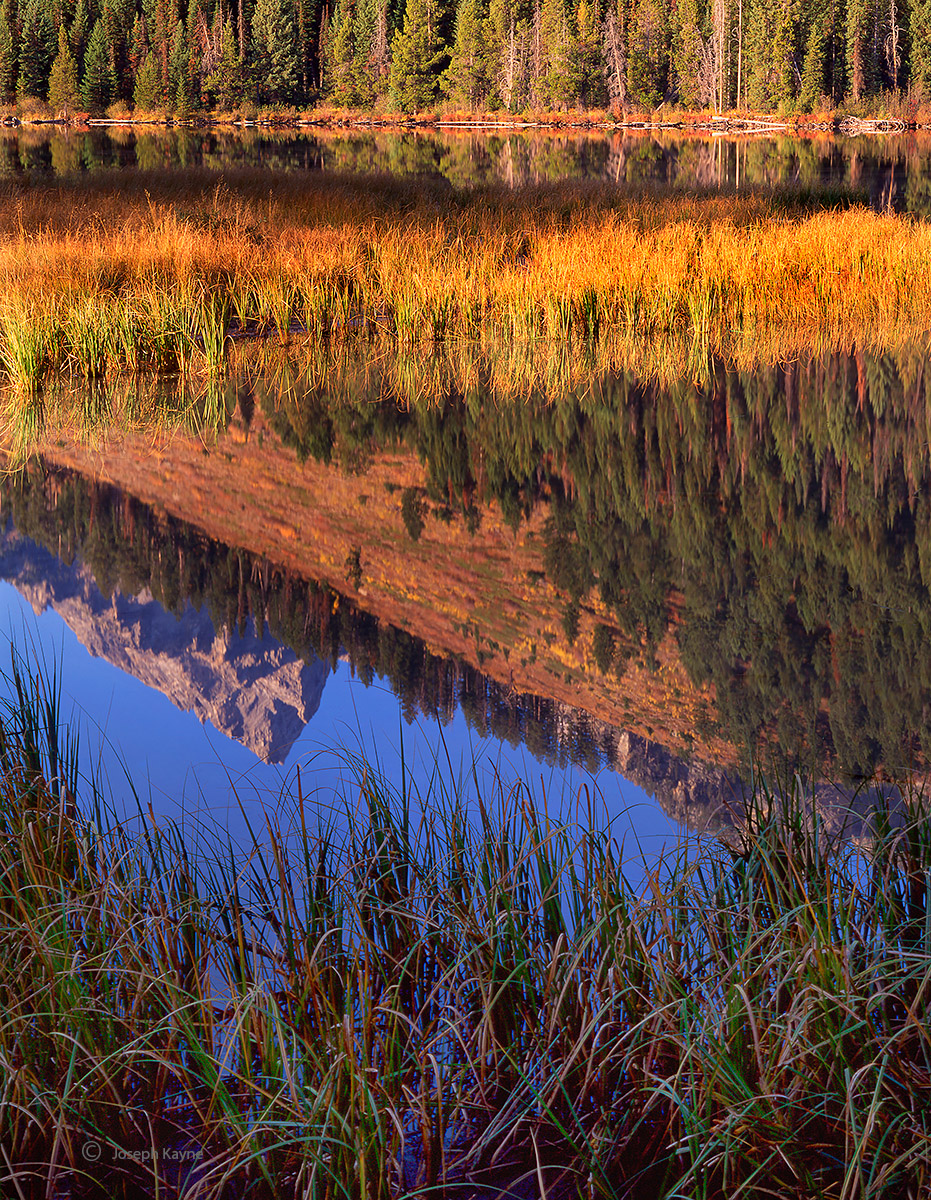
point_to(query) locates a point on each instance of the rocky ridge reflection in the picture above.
(249, 687)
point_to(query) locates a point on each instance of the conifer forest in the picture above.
(184, 56)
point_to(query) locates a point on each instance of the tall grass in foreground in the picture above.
(397, 1004)
(151, 273)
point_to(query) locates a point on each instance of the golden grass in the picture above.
(132, 268)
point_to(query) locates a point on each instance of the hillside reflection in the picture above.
(762, 538)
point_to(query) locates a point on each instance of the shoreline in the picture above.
(758, 124)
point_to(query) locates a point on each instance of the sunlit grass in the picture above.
(431, 989)
(153, 273)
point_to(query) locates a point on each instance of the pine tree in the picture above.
(417, 59)
(648, 46)
(64, 94)
(164, 18)
(342, 55)
(225, 84)
(147, 94)
(365, 71)
(7, 52)
(274, 51)
(920, 37)
(138, 44)
(561, 76)
(589, 22)
(468, 80)
(614, 56)
(304, 15)
(813, 70)
(118, 17)
(862, 66)
(99, 82)
(80, 32)
(772, 52)
(36, 51)
(691, 59)
(200, 47)
(180, 87)
(509, 52)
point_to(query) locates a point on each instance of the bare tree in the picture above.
(615, 60)
(893, 46)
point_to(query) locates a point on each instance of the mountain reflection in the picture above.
(251, 688)
(716, 567)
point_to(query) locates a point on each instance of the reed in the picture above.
(124, 277)
(422, 993)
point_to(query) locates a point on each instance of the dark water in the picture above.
(885, 170)
(638, 582)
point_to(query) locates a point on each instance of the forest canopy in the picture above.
(183, 56)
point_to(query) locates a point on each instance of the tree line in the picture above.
(183, 56)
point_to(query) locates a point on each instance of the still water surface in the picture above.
(887, 171)
(602, 583)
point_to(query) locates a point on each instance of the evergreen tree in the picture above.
(7, 51)
(162, 21)
(468, 80)
(920, 38)
(614, 55)
(274, 51)
(64, 94)
(691, 60)
(369, 66)
(417, 59)
(36, 50)
(862, 23)
(589, 24)
(138, 45)
(80, 32)
(199, 47)
(510, 49)
(648, 46)
(304, 18)
(180, 86)
(225, 84)
(99, 82)
(342, 47)
(813, 71)
(772, 52)
(118, 18)
(559, 59)
(147, 94)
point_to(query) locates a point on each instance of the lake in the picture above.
(888, 171)
(579, 577)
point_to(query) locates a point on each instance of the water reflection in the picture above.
(667, 575)
(889, 171)
(246, 683)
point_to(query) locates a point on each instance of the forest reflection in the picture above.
(776, 520)
(886, 171)
(774, 523)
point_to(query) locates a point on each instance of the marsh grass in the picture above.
(152, 273)
(430, 992)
